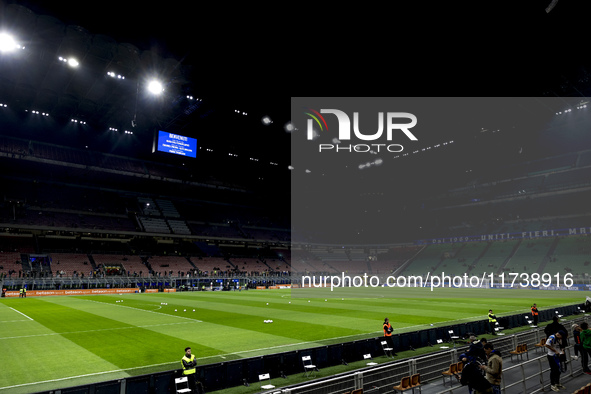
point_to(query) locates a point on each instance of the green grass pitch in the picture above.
(63, 341)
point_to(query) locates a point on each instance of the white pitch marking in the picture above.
(144, 310)
(21, 314)
(97, 330)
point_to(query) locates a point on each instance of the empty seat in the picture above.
(451, 371)
(368, 357)
(182, 385)
(309, 368)
(415, 381)
(404, 384)
(266, 378)
(388, 351)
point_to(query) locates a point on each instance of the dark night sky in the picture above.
(449, 48)
(255, 56)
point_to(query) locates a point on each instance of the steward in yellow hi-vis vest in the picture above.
(189, 370)
(492, 321)
(189, 362)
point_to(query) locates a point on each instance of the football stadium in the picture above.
(170, 224)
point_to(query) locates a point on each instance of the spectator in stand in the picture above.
(578, 345)
(493, 368)
(553, 355)
(553, 328)
(476, 349)
(472, 376)
(585, 335)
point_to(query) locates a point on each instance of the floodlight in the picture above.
(266, 120)
(155, 87)
(72, 62)
(7, 43)
(289, 127)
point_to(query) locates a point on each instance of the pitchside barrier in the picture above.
(234, 373)
(41, 293)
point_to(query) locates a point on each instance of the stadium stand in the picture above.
(130, 265)
(573, 254)
(70, 264)
(154, 225)
(175, 264)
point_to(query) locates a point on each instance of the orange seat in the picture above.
(542, 344)
(404, 384)
(453, 369)
(415, 381)
(520, 350)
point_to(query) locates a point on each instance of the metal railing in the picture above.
(530, 376)
(537, 371)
